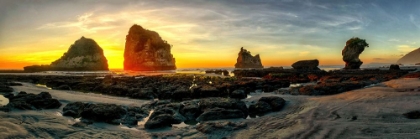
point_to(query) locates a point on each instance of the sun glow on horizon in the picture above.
(209, 33)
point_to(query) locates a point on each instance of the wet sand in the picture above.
(374, 112)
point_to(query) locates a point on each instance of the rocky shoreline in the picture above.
(181, 98)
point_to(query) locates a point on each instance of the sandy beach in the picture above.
(374, 112)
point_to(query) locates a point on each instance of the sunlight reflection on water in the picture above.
(44, 86)
(3, 100)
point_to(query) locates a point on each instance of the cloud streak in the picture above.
(296, 29)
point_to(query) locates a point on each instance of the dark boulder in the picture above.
(5, 88)
(165, 116)
(74, 109)
(161, 120)
(8, 95)
(110, 113)
(306, 65)
(13, 84)
(412, 115)
(181, 93)
(55, 83)
(26, 101)
(48, 103)
(208, 91)
(134, 114)
(44, 95)
(266, 105)
(394, 67)
(5, 108)
(142, 93)
(259, 108)
(103, 112)
(238, 94)
(276, 103)
(63, 87)
(190, 110)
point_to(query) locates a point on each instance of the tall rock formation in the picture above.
(145, 51)
(354, 47)
(411, 58)
(246, 60)
(84, 54)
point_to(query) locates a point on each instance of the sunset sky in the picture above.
(210, 33)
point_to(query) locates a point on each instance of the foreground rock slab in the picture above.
(109, 113)
(214, 127)
(26, 101)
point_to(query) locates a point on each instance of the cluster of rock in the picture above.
(265, 105)
(84, 55)
(177, 87)
(109, 113)
(345, 80)
(5, 87)
(25, 101)
(290, 75)
(246, 60)
(145, 50)
(354, 47)
(166, 113)
(196, 110)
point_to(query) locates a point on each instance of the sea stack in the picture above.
(84, 54)
(354, 47)
(146, 51)
(246, 60)
(411, 58)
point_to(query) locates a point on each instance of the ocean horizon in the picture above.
(197, 70)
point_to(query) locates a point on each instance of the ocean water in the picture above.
(120, 72)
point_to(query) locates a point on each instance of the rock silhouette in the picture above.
(354, 47)
(246, 60)
(84, 55)
(306, 65)
(145, 50)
